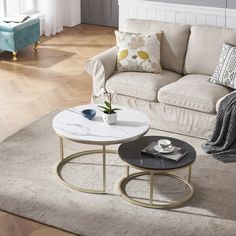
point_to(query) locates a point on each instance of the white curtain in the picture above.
(53, 12)
(1, 10)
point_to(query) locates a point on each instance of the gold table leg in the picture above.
(61, 148)
(189, 174)
(151, 188)
(127, 171)
(14, 56)
(36, 46)
(104, 167)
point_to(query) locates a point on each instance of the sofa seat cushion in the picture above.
(140, 85)
(193, 92)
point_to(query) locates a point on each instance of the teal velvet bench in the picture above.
(15, 36)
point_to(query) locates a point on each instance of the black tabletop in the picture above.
(131, 153)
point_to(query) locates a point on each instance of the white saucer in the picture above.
(167, 150)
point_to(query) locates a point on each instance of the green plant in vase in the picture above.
(109, 112)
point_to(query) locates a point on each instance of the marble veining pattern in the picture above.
(73, 125)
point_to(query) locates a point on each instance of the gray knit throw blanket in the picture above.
(222, 144)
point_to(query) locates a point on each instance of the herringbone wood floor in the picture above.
(38, 83)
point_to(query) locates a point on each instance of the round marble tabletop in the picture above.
(71, 124)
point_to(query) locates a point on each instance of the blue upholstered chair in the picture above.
(15, 36)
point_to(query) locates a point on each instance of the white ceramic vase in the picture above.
(110, 118)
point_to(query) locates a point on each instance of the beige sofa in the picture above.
(180, 99)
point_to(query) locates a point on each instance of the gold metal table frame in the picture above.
(157, 204)
(134, 124)
(65, 160)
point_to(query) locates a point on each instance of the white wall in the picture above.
(207, 3)
(177, 13)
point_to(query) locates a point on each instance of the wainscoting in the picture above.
(231, 18)
(178, 13)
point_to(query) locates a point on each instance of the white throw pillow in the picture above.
(138, 52)
(225, 73)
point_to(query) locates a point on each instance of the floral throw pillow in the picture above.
(225, 73)
(138, 52)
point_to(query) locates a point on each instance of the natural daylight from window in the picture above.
(16, 7)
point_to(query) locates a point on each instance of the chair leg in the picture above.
(14, 56)
(36, 46)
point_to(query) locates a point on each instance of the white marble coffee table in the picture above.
(70, 124)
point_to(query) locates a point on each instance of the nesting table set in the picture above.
(128, 131)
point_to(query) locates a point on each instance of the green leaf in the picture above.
(108, 104)
(105, 108)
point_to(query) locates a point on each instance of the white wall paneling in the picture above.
(231, 18)
(179, 13)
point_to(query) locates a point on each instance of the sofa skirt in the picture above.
(169, 118)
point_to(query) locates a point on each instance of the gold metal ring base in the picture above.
(62, 163)
(157, 204)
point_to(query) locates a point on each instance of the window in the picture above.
(28, 6)
(16, 7)
(1, 9)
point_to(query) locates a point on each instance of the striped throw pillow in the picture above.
(225, 73)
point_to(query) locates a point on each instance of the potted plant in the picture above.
(109, 113)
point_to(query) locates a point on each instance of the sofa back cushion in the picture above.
(204, 48)
(173, 44)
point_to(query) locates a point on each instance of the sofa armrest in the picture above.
(221, 99)
(100, 68)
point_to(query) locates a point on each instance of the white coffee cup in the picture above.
(164, 143)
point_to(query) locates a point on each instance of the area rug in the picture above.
(30, 189)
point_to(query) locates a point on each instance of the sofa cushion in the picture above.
(173, 44)
(204, 48)
(193, 92)
(138, 52)
(140, 85)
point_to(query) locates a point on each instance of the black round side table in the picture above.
(131, 154)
